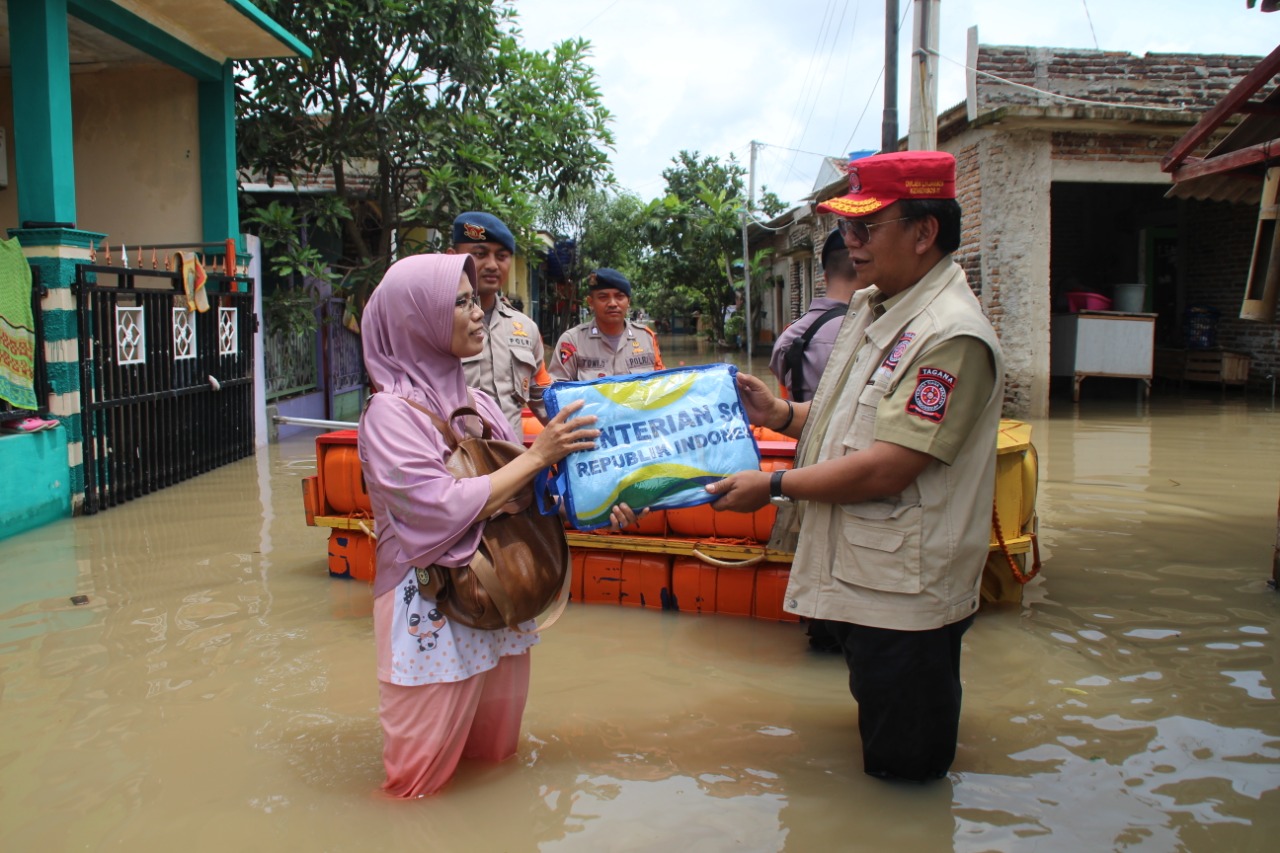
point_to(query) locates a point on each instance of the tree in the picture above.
(769, 204)
(694, 234)
(420, 111)
(604, 228)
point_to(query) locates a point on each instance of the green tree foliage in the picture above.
(420, 111)
(605, 228)
(694, 235)
(604, 224)
(297, 264)
(769, 204)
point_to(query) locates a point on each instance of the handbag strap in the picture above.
(446, 428)
(485, 572)
(557, 608)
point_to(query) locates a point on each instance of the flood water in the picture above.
(217, 691)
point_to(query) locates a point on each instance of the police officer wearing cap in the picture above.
(510, 368)
(609, 344)
(806, 344)
(888, 509)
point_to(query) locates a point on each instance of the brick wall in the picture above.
(1215, 274)
(969, 195)
(1184, 81)
(1112, 147)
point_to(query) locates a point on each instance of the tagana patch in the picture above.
(933, 389)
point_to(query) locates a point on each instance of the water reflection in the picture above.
(216, 689)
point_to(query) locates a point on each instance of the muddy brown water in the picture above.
(216, 690)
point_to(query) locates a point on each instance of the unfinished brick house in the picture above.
(1063, 192)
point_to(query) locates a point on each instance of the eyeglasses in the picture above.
(467, 302)
(861, 231)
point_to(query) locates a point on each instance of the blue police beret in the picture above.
(605, 277)
(476, 227)
(834, 243)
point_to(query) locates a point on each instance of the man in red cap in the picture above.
(888, 509)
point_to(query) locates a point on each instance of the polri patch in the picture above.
(567, 351)
(933, 390)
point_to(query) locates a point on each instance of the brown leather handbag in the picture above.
(522, 566)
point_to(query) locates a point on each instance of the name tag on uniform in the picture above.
(664, 436)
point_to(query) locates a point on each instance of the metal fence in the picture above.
(343, 355)
(166, 392)
(291, 363)
(328, 359)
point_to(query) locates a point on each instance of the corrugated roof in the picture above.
(1242, 184)
(1233, 169)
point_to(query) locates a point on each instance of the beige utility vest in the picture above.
(911, 561)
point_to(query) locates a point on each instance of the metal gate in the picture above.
(166, 392)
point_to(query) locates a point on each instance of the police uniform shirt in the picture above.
(583, 353)
(511, 359)
(816, 354)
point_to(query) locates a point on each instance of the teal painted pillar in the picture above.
(42, 145)
(57, 252)
(217, 113)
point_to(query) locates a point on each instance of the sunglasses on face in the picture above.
(861, 231)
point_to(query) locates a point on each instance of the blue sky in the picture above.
(803, 76)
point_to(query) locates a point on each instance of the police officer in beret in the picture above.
(610, 343)
(510, 368)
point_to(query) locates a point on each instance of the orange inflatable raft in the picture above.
(690, 560)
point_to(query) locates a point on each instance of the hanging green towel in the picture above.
(17, 328)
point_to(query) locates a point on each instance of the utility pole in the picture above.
(923, 132)
(746, 248)
(889, 126)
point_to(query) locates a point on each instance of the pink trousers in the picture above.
(427, 730)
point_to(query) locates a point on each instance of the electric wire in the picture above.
(804, 85)
(879, 77)
(817, 95)
(1059, 95)
(1089, 18)
(844, 78)
(600, 15)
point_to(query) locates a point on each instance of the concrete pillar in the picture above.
(1016, 176)
(57, 252)
(44, 156)
(217, 115)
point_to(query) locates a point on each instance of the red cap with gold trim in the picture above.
(878, 181)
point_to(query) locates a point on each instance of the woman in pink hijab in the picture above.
(447, 691)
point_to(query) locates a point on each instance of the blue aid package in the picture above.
(663, 437)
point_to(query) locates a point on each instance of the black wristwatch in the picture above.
(775, 489)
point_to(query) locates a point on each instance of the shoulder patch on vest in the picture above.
(933, 389)
(567, 351)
